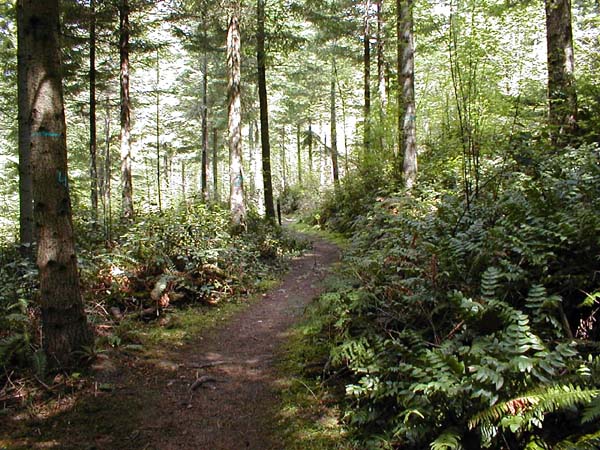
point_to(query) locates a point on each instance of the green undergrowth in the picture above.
(457, 325)
(301, 226)
(161, 280)
(309, 413)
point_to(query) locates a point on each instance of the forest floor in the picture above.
(219, 390)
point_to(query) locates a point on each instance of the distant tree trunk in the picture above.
(283, 159)
(406, 92)
(264, 114)
(215, 166)
(334, 150)
(381, 86)
(93, 140)
(26, 222)
(367, 76)
(562, 96)
(381, 60)
(204, 156)
(126, 177)
(236, 188)
(299, 153)
(158, 175)
(310, 148)
(64, 325)
(107, 177)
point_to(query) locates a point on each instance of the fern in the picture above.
(591, 411)
(448, 440)
(490, 282)
(534, 405)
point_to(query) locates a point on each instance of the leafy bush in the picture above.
(455, 326)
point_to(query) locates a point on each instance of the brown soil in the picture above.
(218, 392)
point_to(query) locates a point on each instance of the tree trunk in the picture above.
(334, 150)
(158, 176)
(204, 156)
(406, 92)
(381, 87)
(264, 114)
(236, 185)
(64, 326)
(26, 222)
(93, 140)
(283, 159)
(299, 153)
(562, 97)
(126, 178)
(310, 148)
(367, 77)
(107, 177)
(215, 167)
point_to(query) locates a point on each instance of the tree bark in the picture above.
(367, 77)
(126, 177)
(158, 175)
(334, 150)
(204, 156)
(93, 132)
(215, 167)
(64, 326)
(236, 186)
(264, 113)
(406, 92)
(299, 153)
(562, 96)
(26, 221)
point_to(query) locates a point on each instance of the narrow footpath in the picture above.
(223, 394)
(217, 392)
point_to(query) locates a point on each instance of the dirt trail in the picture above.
(235, 407)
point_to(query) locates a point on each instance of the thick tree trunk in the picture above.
(264, 113)
(204, 156)
(562, 96)
(334, 150)
(367, 76)
(64, 326)
(26, 222)
(236, 186)
(406, 92)
(126, 178)
(93, 132)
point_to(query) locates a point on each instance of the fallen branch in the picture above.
(201, 381)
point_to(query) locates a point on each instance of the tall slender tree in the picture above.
(64, 324)
(93, 132)
(126, 176)
(264, 113)
(562, 97)
(26, 221)
(333, 125)
(406, 92)
(367, 74)
(236, 179)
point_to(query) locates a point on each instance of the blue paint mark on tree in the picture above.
(44, 133)
(62, 179)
